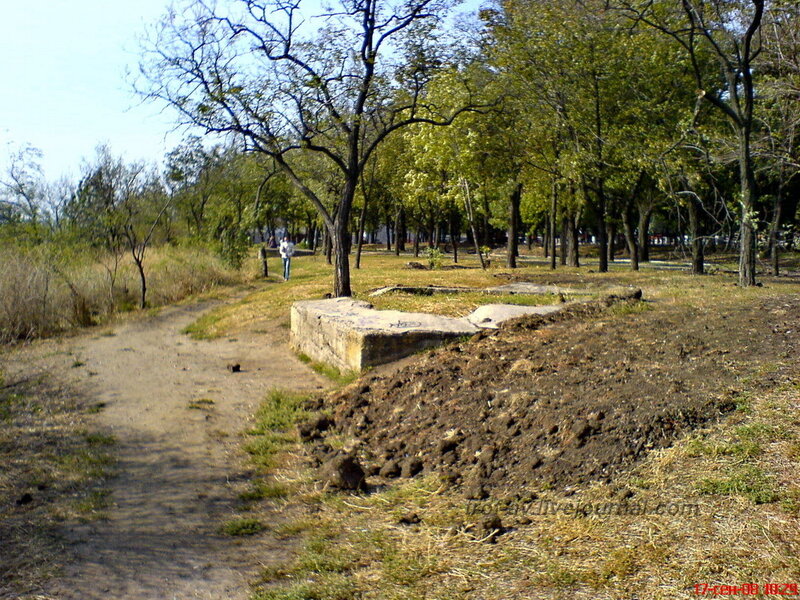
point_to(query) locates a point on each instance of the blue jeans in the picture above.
(287, 265)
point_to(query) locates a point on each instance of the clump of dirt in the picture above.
(558, 401)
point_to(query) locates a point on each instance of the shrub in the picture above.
(434, 258)
(53, 287)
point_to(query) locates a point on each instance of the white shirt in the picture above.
(287, 249)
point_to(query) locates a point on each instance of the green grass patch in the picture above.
(339, 377)
(747, 480)
(7, 404)
(280, 411)
(87, 463)
(321, 570)
(756, 432)
(630, 308)
(95, 502)
(205, 327)
(242, 526)
(264, 490)
(275, 419)
(99, 439)
(329, 586)
(201, 404)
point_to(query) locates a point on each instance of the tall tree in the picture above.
(336, 83)
(730, 32)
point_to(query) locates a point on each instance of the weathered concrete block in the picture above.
(489, 316)
(351, 335)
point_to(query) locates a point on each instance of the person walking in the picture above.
(287, 251)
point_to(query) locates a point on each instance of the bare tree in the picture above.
(143, 204)
(335, 84)
(21, 186)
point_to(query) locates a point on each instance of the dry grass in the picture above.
(43, 291)
(721, 506)
(53, 470)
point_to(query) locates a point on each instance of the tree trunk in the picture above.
(600, 227)
(397, 232)
(696, 234)
(401, 231)
(644, 234)
(573, 254)
(328, 247)
(600, 180)
(630, 234)
(262, 254)
(774, 238)
(142, 280)
(513, 222)
(552, 224)
(611, 232)
(416, 243)
(360, 243)
(454, 234)
(340, 248)
(471, 219)
(747, 250)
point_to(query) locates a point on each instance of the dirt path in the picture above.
(178, 467)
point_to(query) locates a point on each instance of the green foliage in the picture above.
(242, 526)
(263, 490)
(334, 374)
(233, 246)
(434, 256)
(745, 480)
(275, 418)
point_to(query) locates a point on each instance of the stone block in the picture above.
(351, 335)
(489, 316)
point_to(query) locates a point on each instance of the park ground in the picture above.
(136, 465)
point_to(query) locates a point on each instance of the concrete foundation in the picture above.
(489, 316)
(350, 335)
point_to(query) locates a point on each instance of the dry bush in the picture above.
(44, 291)
(177, 273)
(30, 297)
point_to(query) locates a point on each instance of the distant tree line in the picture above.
(557, 120)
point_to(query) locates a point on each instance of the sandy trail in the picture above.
(177, 467)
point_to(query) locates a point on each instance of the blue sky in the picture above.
(63, 69)
(63, 66)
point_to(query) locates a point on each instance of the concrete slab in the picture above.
(509, 288)
(428, 290)
(351, 335)
(489, 316)
(524, 287)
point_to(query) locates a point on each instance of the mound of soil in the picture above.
(560, 400)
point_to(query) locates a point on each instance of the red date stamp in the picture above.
(747, 589)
